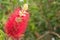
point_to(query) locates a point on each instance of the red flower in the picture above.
(17, 23)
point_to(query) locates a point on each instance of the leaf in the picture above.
(2, 35)
(1, 16)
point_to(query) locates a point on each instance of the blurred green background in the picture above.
(44, 23)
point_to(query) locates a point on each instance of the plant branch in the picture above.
(47, 32)
(54, 33)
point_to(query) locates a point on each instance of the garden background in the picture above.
(44, 23)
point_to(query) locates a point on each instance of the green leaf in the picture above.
(2, 35)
